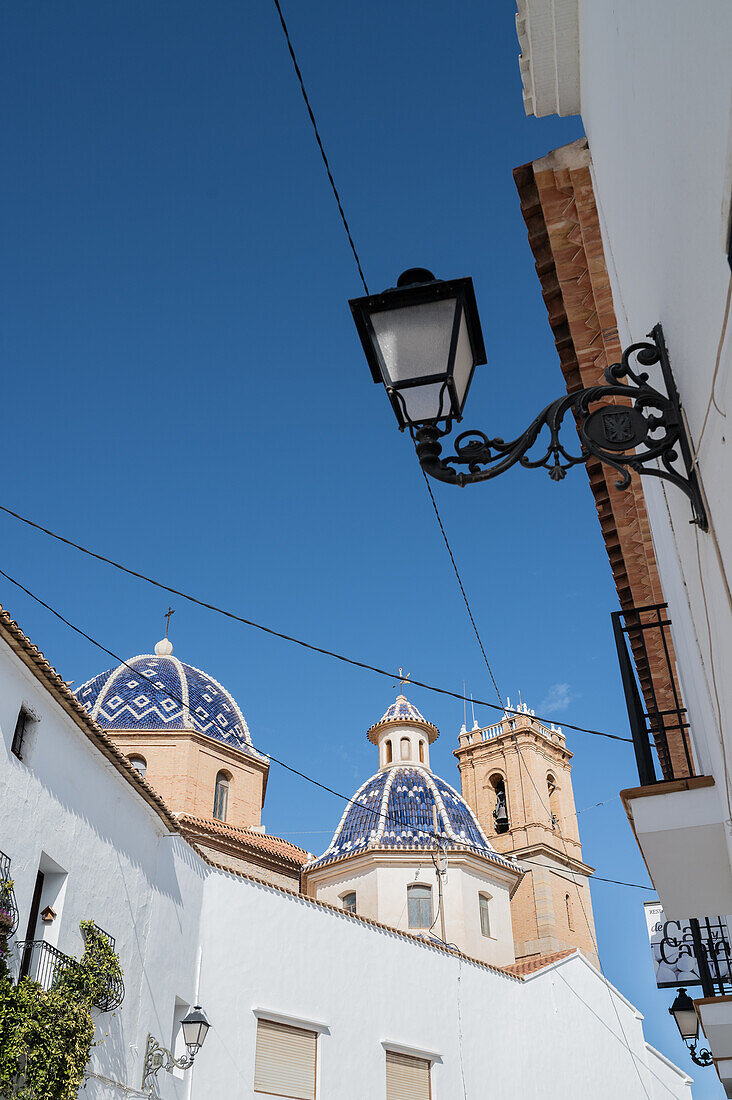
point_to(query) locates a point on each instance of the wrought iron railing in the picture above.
(42, 962)
(658, 720)
(114, 992)
(9, 915)
(713, 955)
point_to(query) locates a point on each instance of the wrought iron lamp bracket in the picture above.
(158, 1057)
(642, 431)
(700, 1057)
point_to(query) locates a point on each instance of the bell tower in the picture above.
(516, 776)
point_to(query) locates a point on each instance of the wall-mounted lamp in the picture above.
(195, 1028)
(423, 340)
(687, 1022)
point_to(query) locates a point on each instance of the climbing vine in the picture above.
(46, 1036)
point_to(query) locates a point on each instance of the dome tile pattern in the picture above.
(401, 710)
(159, 692)
(393, 810)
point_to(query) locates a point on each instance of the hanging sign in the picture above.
(672, 948)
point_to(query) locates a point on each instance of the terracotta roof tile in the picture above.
(263, 842)
(538, 962)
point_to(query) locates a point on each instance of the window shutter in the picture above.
(407, 1078)
(285, 1062)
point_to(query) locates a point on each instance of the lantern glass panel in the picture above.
(195, 1027)
(464, 362)
(414, 341)
(687, 1022)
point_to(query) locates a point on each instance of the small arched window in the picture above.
(389, 754)
(570, 913)
(485, 914)
(139, 763)
(221, 796)
(405, 749)
(348, 901)
(421, 752)
(419, 906)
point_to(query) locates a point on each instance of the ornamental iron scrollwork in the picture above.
(158, 1057)
(646, 434)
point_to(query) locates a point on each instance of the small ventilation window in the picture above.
(570, 912)
(348, 901)
(22, 727)
(221, 796)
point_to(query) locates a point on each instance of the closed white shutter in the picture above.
(285, 1062)
(407, 1078)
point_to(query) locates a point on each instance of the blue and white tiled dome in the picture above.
(393, 810)
(159, 692)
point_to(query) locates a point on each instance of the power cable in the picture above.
(287, 637)
(320, 145)
(460, 582)
(170, 693)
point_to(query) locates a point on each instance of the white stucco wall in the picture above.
(554, 1036)
(65, 805)
(656, 97)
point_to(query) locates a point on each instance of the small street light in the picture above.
(195, 1028)
(423, 340)
(687, 1022)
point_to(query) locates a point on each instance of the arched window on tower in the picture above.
(388, 753)
(500, 811)
(421, 751)
(553, 792)
(405, 749)
(570, 912)
(419, 905)
(221, 796)
(139, 763)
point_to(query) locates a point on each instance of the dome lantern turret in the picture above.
(402, 735)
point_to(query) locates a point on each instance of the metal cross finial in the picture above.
(170, 612)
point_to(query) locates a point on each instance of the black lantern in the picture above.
(687, 1022)
(195, 1028)
(684, 1014)
(423, 340)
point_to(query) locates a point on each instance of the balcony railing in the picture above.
(42, 962)
(8, 907)
(656, 712)
(114, 992)
(45, 964)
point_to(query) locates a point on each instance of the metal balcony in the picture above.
(42, 963)
(8, 907)
(657, 716)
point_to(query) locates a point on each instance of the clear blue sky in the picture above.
(184, 390)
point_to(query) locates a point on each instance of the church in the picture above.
(441, 946)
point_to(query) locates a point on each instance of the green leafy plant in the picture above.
(46, 1036)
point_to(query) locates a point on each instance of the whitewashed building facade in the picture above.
(304, 998)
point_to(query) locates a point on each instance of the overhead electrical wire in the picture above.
(289, 637)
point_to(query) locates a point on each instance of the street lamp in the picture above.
(687, 1022)
(423, 340)
(195, 1028)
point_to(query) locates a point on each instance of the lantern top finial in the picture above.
(414, 275)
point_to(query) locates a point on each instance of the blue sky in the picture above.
(184, 390)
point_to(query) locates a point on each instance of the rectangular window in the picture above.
(485, 916)
(419, 906)
(349, 902)
(285, 1061)
(21, 726)
(407, 1078)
